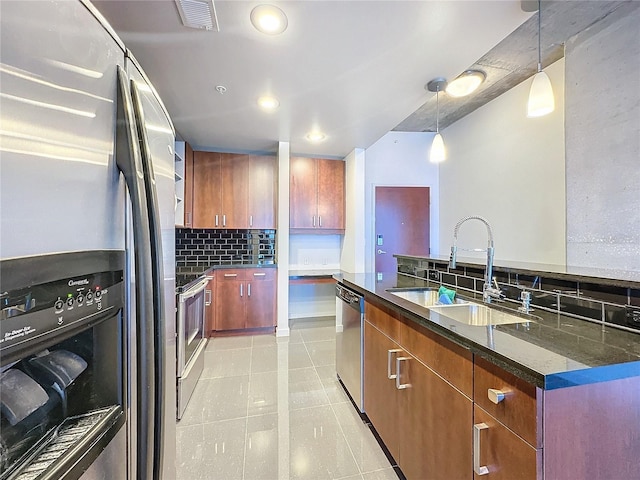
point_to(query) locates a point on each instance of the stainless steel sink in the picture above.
(476, 315)
(424, 298)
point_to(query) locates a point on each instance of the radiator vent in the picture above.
(200, 14)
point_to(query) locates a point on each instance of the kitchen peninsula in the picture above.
(549, 396)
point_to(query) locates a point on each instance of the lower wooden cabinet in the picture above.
(244, 298)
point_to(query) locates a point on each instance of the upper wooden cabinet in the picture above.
(316, 189)
(234, 191)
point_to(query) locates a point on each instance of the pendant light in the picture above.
(541, 101)
(437, 153)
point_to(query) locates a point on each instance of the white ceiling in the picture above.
(353, 69)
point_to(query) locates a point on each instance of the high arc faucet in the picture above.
(488, 291)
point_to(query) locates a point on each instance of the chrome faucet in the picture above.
(488, 290)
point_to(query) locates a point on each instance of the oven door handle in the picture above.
(193, 291)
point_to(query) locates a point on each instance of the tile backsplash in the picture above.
(199, 249)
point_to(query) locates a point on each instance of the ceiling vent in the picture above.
(200, 14)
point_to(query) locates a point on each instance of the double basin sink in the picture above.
(462, 311)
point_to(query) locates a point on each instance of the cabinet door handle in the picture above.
(495, 395)
(399, 385)
(259, 274)
(251, 220)
(314, 221)
(224, 220)
(207, 297)
(390, 354)
(320, 221)
(230, 274)
(248, 289)
(479, 469)
(241, 291)
(188, 222)
(216, 220)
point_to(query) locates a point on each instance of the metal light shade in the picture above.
(438, 153)
(541, 101)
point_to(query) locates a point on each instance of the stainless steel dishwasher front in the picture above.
(350, 344)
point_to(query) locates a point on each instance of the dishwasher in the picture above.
(350, 343)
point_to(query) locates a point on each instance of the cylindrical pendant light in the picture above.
(541, 101)
(437, 153)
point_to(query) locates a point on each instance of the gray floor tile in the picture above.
(319, 334)
(318, 449)
(296, 356)
(305, 389)
(262, 458)
(322, 352)
(264, 359)
(224, 398)
(384, 474)
(227, 363)
(189, 452)
(263, 393)
(224, 446)
(226, 343)
(294, 337)
(264, 340)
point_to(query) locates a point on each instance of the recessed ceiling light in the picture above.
(316, 136)
(268, 102)
(269, 19)
(466, 83)
(221, 89)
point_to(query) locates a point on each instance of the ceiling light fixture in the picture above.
(541, 101)
(315, 136)
(465, 83)
(221, 89)
(268, 102)
(438, 152)
(269, 19)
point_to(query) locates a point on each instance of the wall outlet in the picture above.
(325, 261)
(306, 261)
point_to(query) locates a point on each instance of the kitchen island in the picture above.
(551, 396)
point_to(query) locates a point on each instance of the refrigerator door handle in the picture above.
(129, 163)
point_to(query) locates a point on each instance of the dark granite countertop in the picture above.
(550, 350)
(185, 280)
(620, 278)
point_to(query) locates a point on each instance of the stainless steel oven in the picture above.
(191, 339)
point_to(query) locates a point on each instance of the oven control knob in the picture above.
(98, 294)
(59, 304)
(89, 296)
(80, 299)
(70, 302)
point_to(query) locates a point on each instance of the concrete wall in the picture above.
(399, 159)
(603, 143)
(509, 169)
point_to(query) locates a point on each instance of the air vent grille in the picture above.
(200, 14)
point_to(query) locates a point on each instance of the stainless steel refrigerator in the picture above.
(87, 250)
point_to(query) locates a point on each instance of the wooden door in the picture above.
(262, 192)
(207, 197)
(401, 224)
(331, 175)
(230, 300)
(188, 186)
(261, 298)
(380, 394)
(234, 176)
(435, 426)
(303, 189)
(505, 454)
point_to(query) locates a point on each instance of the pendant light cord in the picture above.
(539, 35)
(438, 110)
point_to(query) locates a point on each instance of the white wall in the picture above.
(353, 248)
(399, 159)
(509, 169)
(282, 240)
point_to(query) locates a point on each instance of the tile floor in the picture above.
(271, 408)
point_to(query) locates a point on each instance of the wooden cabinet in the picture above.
(245, 298)
(317, 195)
(424, 421)
(234, 191)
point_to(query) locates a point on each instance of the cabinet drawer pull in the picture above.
(241, 291)
(479, 469)
(230, 274)
(259, 274)
(495, 395)
(248, 289)
(399, 385)
(390, 354)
